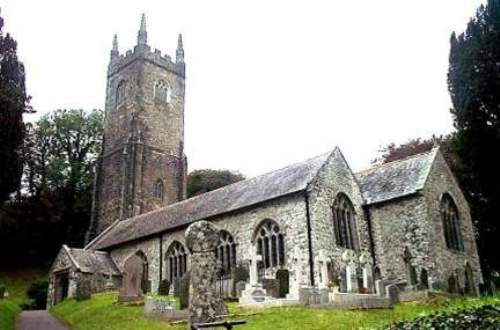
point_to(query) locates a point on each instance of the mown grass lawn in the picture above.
(16, 282)
(102, 312)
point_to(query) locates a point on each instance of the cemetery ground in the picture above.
(103, 312)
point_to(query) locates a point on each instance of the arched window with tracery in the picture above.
(121, 92)
(344, 222)
(176, 258)
(226, 252)
(451, 223)
(270, 244)
(158, 191)
(162, 91)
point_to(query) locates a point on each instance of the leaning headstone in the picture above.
(239, 287)
(392, 293)
(202, 239)
(83, 289)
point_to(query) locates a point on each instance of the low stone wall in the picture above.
(356, 301)
(163, 309)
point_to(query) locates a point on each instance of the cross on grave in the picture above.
(322, 259)
(253, 260)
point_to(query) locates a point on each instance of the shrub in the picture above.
(38, 293)
(484, 317)
(164, 288)
(2, 290)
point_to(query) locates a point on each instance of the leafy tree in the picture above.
(13, 103)
(202, 181)
(60, 151)
(474, 85)
(392, 151)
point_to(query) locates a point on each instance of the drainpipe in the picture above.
(370, 234)
(161, 259)
(309, 240)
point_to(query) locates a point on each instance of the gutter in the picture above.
(309, 240)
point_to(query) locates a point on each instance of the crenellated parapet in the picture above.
(142, 51)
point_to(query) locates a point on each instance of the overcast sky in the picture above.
(268, 82)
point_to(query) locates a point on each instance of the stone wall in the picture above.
(448, 262)
(334, 178)
(287, 212)
(151, 249)
(397, 225)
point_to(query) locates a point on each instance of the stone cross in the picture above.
(253, 260)
(323, 269)
(202, 239)
(348, 277)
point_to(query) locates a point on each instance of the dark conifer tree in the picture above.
(474, 85)
(13, 103)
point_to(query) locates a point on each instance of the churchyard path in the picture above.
(38, 320)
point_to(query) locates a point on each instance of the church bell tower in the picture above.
(142, 166)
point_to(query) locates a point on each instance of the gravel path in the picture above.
(38, 320)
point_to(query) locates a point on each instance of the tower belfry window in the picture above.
(158, 189)
(120, 92)
(162, 91)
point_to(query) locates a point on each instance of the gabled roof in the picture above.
(396, 179)
(91, 261)
(288, 180)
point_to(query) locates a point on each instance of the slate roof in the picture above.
(90, 261)
(291, 179)
(395, 179)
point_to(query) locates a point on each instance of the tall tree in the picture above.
(202, 181)
(474, 85)
(60, 151)
(13, 103)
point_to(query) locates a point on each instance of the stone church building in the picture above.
(406, 222)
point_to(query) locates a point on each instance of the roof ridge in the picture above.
(190, 199)
(376, 166)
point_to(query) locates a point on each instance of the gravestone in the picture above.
(164, 288)
(392, 292)
(254, 293)
(272, 287)
(298, 283)
(202, 239)
(380, 287)
(322, 261)
(239, 287)
(184, 290)
(131, 282)
(283, 277)
(177, 287)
